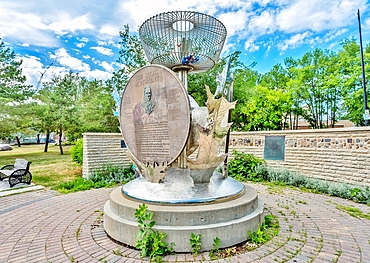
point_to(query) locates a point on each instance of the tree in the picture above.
(308, 84)
(96, 108)
(13, 94)
(131, 57)
(276, 78)
(349, 65)
(59, 98)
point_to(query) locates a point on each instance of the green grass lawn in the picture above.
(48, 169)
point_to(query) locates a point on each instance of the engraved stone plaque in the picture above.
(155, 115)
(274, 148)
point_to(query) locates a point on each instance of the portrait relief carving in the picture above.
(143, 107)
(147, 103)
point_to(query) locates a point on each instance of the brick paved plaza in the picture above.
(43, 226)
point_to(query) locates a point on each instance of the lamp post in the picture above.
(366, 111)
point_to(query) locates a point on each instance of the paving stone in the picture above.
(312, 230)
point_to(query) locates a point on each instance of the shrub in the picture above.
(77, 152)
(108, 176)
(111, 174)
(358, 194)
(243, 167)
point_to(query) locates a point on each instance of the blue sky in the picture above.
(83, 36)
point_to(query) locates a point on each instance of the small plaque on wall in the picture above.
(274, 148)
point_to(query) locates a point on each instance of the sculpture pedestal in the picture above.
(227, 217)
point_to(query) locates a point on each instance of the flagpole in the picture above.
(363, 72)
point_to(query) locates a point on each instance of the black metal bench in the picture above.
(17, 173)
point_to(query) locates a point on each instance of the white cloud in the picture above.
(294, 41)
(84, 39)
(234, 21)
(263, 24)
(62, 56)
(66, 24)
(317, 15)
(80, 45)
(108, 67)
(103, 50)
(36, 72)
(31, 68)
(110, 30)
(102, 43)
(250, 46)
(25, 28)
(96, 74)
(365, 24)
(333, 34)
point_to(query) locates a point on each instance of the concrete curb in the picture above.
(12, 191)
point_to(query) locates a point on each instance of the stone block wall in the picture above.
(341, 155)
(102, 148)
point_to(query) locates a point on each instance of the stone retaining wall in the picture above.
(102, 148)
(341, 155)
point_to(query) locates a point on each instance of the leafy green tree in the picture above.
(60, 100)
(13, 95)
(245, 82)
(131, 57)
(276, 78)
(308, 84)
(96, 108)
(350, 71)
(333, 86)
(44, 118)
(197, 82)
(264, 109)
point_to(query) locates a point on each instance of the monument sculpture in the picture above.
(176, 145)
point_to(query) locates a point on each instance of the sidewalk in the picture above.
(40, 226)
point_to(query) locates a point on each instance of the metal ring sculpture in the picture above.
(183, 40)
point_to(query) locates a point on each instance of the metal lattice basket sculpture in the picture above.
(183, 40)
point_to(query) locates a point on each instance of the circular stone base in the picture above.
(178, 187)
(228, 219)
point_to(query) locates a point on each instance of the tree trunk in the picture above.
(46, 142)
(18, 141)
(38, 138)
(60, 141)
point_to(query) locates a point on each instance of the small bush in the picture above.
(77, 152)
(243, 167)
(111, 174)
(108, 176)
(358, 194)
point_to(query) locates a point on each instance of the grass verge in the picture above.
(48, 169)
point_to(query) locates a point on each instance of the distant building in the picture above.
(302, 124)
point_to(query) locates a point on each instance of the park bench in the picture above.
(17, 173)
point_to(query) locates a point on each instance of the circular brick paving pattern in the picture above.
(44, 227)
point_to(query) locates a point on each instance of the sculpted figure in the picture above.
(147, 103)
(144, 108)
